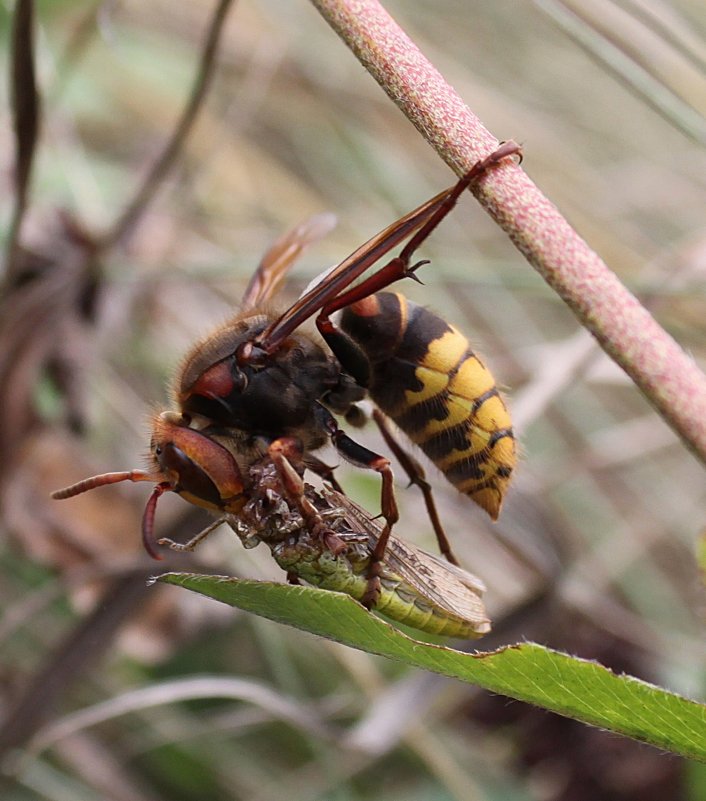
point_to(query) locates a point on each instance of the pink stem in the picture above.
(667, 376)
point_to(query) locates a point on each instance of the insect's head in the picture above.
(220, 365)
(181, 460)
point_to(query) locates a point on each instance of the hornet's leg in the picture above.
(335, 293)
(362, 457)
(401, 266)
(416, 475)
(322, 469)
(283, 452)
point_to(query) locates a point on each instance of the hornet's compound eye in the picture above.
(187, 476)
(196, 466)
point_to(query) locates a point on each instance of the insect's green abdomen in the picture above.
(399, 600)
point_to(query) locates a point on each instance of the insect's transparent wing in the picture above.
(449, 587)
(452, 590)
(276, 262)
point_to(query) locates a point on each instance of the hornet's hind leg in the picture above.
(415, 473)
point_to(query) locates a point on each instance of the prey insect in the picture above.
(260, 383)
(416, 588)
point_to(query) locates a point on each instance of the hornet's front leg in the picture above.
(360, 456)
(283, 452)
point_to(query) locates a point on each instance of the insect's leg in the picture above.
(479, 169)
(194, 541)
(400, 266)
(362, 457)
(333, 292)
(415, 473)
(322, 469)
(281, 451)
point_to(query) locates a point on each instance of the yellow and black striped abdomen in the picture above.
(425, 376)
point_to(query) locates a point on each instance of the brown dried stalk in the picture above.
(667, 376)
(24, 100)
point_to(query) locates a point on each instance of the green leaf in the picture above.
(573, 687)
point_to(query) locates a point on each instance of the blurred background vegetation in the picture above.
(595, 550)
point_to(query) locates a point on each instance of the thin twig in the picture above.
(136, 207)
(25, 114)
(667, 376)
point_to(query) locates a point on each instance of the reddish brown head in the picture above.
(184, 461)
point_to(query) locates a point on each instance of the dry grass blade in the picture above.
(618, 43)
(273, 703)
(666, 21)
